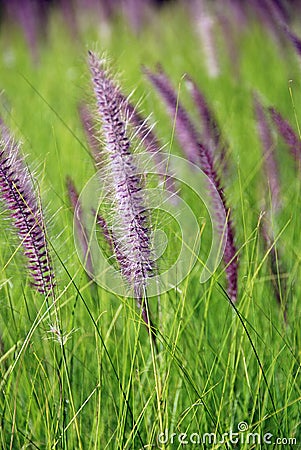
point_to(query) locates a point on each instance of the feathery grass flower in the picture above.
(131, 233)
(21, 200)
(199, 154)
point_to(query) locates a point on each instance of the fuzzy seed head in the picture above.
(131, 233)
(19, 197)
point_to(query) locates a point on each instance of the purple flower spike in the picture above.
(19, 197)
(270, 163)
(288, 135)
(199, 154)
(131, 233)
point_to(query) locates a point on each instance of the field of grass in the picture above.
(219, 366)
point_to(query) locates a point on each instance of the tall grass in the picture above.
(95, 382)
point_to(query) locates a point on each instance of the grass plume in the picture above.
(20, 198)
(131, 236)
(199, 154)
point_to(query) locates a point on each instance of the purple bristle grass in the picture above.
(200, 155)
(132, 232)
(21, 200)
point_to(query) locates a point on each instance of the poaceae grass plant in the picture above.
(80, 370)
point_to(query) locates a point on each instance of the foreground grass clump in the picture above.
(82, 373)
